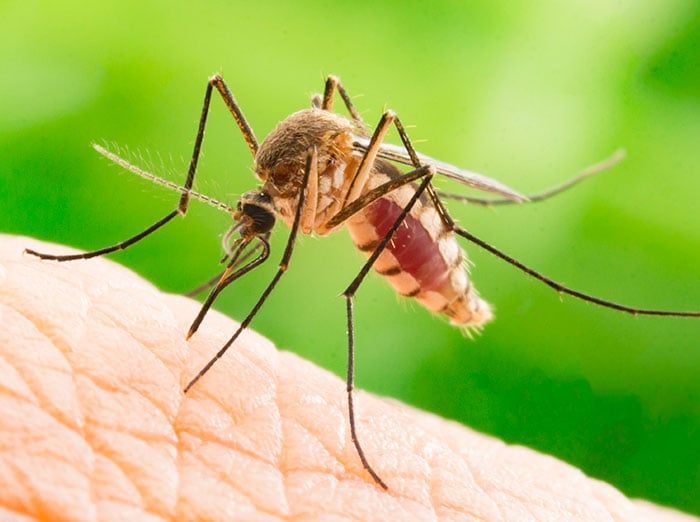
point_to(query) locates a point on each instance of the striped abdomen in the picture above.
(423, 259)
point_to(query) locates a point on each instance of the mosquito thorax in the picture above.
(282, 155)
(255, 212)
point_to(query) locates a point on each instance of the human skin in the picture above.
(94, 424)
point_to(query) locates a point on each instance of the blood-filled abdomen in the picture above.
(422, 260)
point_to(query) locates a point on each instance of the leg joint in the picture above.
(389, 116)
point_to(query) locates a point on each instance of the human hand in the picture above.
(94, 424)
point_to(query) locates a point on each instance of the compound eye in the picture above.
(262, 219)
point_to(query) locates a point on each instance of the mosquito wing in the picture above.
(466, 177)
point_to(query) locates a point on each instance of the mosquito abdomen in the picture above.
(423, 259)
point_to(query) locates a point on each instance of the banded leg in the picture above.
(283, 265)
(248, 135)
(589, 171)
(349, 293)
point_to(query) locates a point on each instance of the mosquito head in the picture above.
(255, 213)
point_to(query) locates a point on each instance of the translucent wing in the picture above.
(466, 177)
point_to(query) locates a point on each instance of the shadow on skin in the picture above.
(94, 424)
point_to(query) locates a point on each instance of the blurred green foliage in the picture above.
(527, 92)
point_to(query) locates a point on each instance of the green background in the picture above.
(527, 92)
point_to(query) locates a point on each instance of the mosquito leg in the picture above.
(370, 155)
(376, 193)
(308, 213)
(564, 289)
(589, 171)
(351, 202)
(352, 188)
(333, 84)
(416, 163)
(212, 282)
(215, 81)
(364, 169)
(452, 226)
(226, 279)
(349, 293)
(119, 246)
(232, 105)
(283, 265)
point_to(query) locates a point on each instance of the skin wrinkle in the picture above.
(92, 438)
(26, 394)
(56, 340)
(95, 423)
(141, 503)
(303, 422)
(329, 453)
(95, 435)
(432, 488)
(78, 430)
(226, 479)
(160, 406)
(229, 446)
(137, 434)
(122, 474)
(33, 501)
(249, 450)
(437, 470)
(202, 397)
(97, 382)
(115, 323)
(223, 484)
(38, 397)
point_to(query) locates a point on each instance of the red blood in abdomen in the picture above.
(411, 244)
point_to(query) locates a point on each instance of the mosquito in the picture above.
(321, 171)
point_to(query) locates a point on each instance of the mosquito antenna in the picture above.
(561, 288)
(160, 181)
(589, 171)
